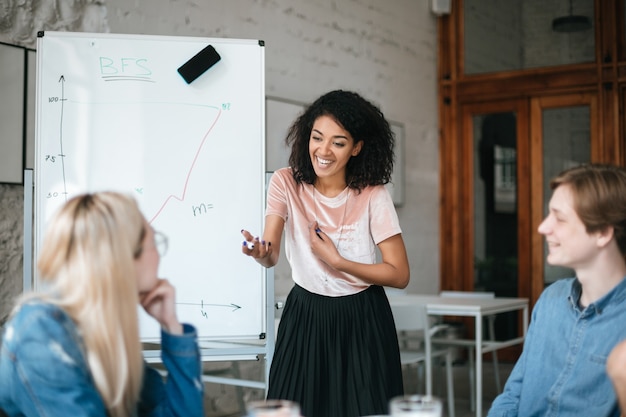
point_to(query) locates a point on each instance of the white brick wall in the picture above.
(384, 50)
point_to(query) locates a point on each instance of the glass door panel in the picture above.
(495, 210)
(566, 143)
(562, 132)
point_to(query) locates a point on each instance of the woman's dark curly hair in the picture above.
(364, 121)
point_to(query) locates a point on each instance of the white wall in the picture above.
(384, 50)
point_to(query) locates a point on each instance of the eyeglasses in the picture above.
(161, 243)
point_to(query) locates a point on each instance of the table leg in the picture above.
(479, 365)
(525, 320)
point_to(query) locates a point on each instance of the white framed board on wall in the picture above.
(12, 88)
(113, 113)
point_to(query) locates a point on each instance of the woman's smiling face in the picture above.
(330, 148)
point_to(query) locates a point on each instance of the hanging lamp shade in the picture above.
(571, 22)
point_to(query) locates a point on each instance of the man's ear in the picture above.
(605, 236)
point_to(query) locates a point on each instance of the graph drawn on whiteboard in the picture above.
(176, 148)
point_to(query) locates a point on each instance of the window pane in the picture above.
(566, 143)
(495, 211)
(520, 34)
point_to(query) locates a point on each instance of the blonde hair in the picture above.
(88, 260)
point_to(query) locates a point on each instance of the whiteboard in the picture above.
(114, 114)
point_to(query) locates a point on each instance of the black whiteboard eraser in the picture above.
(198, 65)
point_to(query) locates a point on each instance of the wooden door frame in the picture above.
(467, 112)
(529, 147)
(463, 180)
(606, 78)
(459, 93)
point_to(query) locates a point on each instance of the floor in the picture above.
(461, 385)
(228, 401)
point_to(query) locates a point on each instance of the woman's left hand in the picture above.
(322, 246)
(160, 303)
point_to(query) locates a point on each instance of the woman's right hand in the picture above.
(260, 250)
(160, 303)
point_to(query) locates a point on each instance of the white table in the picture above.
(477, 308)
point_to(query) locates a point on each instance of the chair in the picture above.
(470, 343)
(411, 323)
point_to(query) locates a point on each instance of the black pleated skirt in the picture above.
(337, 356)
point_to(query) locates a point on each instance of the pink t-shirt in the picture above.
(356, 223)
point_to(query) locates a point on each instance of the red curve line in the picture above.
(195, 158)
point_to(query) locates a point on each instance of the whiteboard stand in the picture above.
(248, 352)
(28, 232)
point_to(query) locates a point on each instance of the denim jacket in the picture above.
(561, 371)
(43, 370)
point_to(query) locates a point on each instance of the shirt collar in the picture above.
(615, 296)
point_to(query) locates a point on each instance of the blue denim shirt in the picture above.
(43, 370)
(561, 371)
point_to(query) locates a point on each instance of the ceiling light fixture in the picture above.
(571, 23)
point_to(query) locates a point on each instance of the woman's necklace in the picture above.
(340, 225)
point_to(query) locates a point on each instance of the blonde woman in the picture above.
(74, 349)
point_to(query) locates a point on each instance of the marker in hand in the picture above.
(318, 231)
